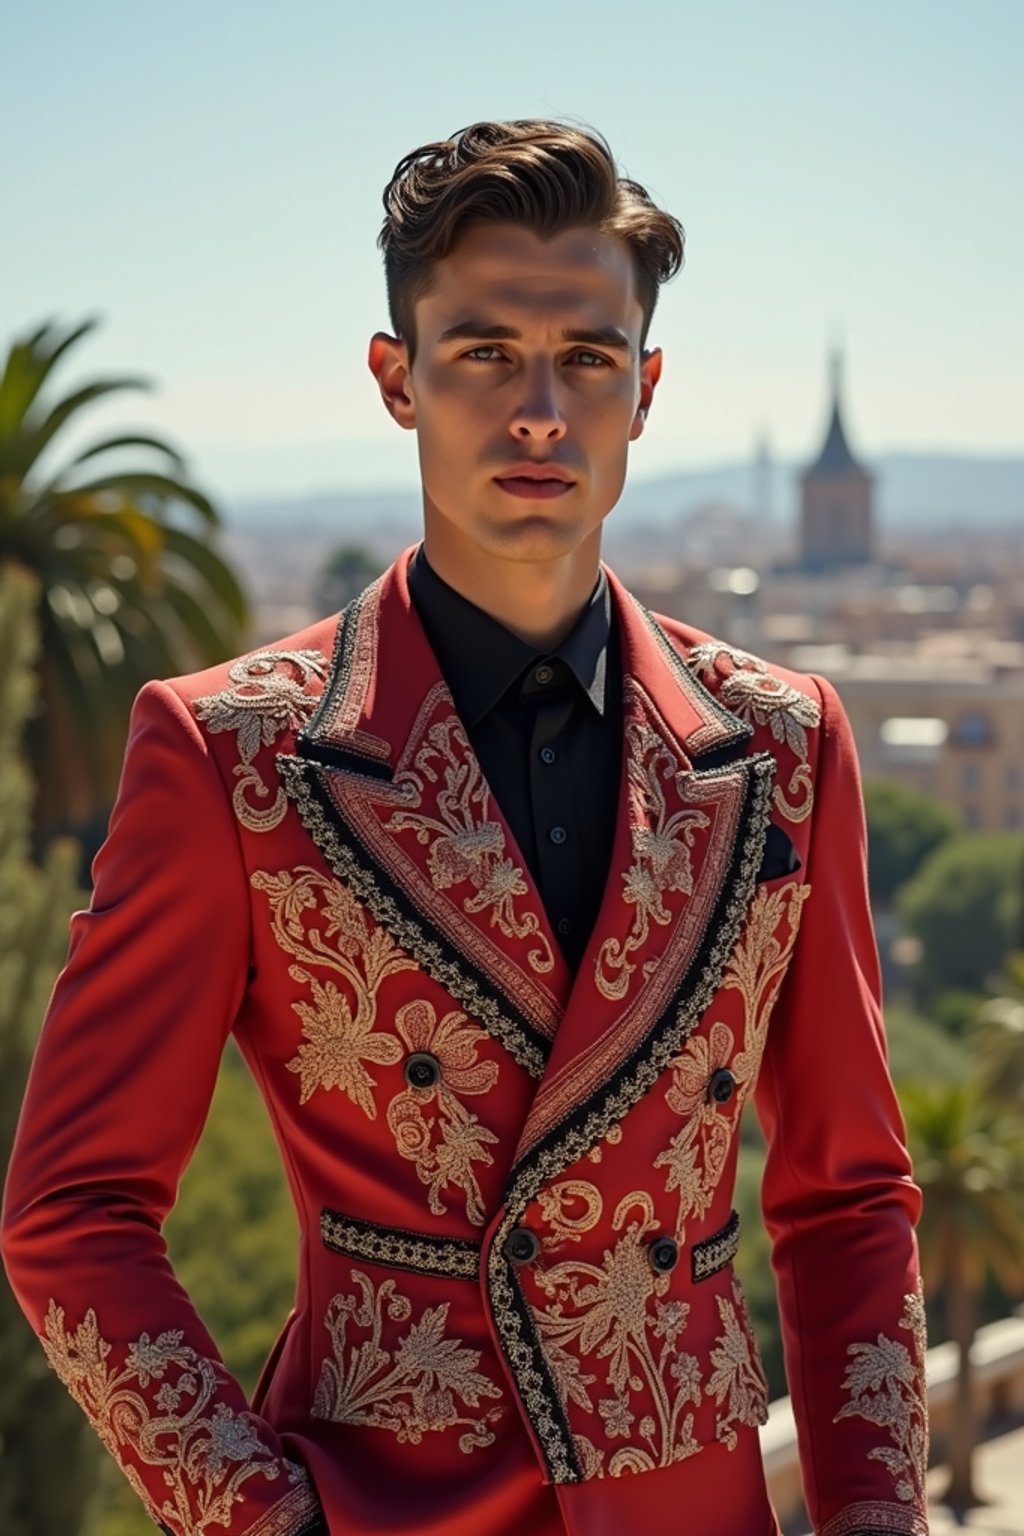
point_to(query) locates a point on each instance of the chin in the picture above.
(534, 536)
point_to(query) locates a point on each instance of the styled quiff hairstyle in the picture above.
(546, 175)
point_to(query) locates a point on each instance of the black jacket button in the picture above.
(663, 1254)
(722, 1086)
(422, 1070)
(522, 1246)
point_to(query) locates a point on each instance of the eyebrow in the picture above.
(482, 330)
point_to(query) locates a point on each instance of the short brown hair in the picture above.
(547, 175)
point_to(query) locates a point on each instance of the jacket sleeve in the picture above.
(838, 1196)
(120, 1085)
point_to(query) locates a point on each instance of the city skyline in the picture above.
(842, 185)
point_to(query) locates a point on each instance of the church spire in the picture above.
(835, 457)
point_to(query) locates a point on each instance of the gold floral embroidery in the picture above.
(755, 694)
(465, 847)
(445, 1145)
(617, 1313)
(263, 703)
(338, 1029)
(204, 1449)
(423, 1384)
(662, 846)
(738, 1382)
(570, 1208)
(696, 1155)
(415, 937)
(886, 1383)
(565, 1457)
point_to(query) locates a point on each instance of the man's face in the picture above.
(486, 400)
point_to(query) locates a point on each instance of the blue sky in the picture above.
(207, 177)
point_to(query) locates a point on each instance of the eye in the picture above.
(580, 352)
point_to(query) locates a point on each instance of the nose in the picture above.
(538, 415)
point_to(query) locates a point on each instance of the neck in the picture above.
(538, 600)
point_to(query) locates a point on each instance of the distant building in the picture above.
(836, 502)
(947, 718)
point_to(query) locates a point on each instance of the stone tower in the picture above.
(836, 502)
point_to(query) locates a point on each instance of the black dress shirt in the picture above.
(546, 727)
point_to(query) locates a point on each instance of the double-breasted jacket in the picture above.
(516, 1308)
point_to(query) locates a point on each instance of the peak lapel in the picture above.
(690, 832)
(389, 787)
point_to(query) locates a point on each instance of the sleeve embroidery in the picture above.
(886, 1383)
(205, 1456)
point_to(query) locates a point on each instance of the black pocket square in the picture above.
(780, 857)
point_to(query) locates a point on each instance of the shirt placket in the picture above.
(554, 815)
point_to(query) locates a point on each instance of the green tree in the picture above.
(904, 827)
(998, 1034)
(39, 1422)
(964, 906)
(129, 590)
(969, 1161)
(920, 1052)
(344, 574)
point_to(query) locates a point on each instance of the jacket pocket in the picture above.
(448, 1258)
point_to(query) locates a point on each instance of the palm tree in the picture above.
(969, 1160)
(129, 590)
(998, 1032)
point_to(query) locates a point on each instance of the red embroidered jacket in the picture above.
(515, 1309)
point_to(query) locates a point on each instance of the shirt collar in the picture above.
(481, 659)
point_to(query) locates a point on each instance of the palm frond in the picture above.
(29, 362)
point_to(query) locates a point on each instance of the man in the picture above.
(512, 894)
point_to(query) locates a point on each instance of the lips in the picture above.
(530, 486)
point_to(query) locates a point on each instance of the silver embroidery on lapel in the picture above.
(464, 846)
(263, 702)
(414, 936)
(662, 847)
(755, 694)
(887, 1387)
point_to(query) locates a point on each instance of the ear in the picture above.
(388, 361)
(650, 373)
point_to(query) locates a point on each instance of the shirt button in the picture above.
(544, 673)
(565, 925)
(558, 834)
(548, 754)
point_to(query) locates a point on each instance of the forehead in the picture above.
(511, 273)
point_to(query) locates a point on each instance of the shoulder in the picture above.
(244, 704)
(797, 716)
(299, 661)
(744, 681)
